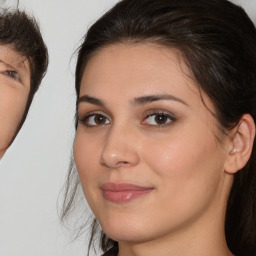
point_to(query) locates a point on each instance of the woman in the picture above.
(23, 63)
(164, 148)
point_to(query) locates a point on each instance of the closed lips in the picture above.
(123, 192)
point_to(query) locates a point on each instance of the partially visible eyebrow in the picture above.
(16, 65)
(152, 98)
(91, 100)
(5, 63)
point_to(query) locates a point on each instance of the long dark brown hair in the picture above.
(217, 41)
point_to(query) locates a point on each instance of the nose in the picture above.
(120, 148)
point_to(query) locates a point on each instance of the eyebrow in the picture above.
(91, 100)
(6, 63)
(152, 98)
(136, 101)
(16, 65)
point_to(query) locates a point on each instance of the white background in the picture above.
(33, 171)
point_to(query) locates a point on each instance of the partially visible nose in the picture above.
(120, 148)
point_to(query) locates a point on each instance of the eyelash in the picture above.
(168, 119)
(12, 74)
(85, 120)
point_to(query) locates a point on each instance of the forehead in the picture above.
(136, 66)
(11, 57)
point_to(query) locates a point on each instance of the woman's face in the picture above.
(146, 149)
(14, 90)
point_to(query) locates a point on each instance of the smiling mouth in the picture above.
(123, 192)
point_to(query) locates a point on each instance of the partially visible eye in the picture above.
(11, 73)
(158, 119)
(95, 120)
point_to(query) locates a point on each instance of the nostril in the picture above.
(117, 164)
(123, 163)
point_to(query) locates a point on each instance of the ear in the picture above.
(241, 145)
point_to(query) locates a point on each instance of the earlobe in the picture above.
(241, 144)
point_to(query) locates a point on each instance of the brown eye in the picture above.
(99, 119)
(12, 73)
(158, 120)
(96, 119)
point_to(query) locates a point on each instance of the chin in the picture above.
(125, 235)
(126, 230)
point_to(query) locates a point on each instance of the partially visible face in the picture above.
(146, 149)
(14, 91)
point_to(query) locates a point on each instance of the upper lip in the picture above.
(122, 187)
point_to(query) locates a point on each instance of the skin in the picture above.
(181, 160)
(14, 91)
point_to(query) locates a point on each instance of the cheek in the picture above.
(12, 107)
(183, 153)
(87, 155)
(188, 169)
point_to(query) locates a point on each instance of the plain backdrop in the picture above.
(33, 170)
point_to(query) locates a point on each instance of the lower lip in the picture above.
(123, 196)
